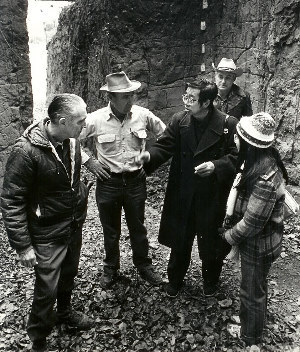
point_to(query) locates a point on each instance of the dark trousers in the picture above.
(253, 296)
(212, 249)
(55, 272)
(127, 191)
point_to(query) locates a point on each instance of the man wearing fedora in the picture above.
(231, 99)
(119, 131)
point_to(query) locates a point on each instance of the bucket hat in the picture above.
(258, 129)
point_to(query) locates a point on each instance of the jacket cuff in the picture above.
(229, 238)
(24, 251)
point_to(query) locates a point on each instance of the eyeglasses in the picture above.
(188, 100)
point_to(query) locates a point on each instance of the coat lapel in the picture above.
(212, 133)
(187, 133)
(235, 96)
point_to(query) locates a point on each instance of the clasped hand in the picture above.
(28, 259)
(205, 169)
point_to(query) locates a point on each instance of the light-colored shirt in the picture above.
(117, 142)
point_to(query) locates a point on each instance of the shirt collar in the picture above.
(111, 114)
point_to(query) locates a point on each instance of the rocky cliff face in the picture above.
(165, 43)
(15, 77)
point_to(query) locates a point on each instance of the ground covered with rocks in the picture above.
(134, 316)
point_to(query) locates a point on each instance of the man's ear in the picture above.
(62, 121)
(206, 104)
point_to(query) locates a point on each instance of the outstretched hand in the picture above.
(143, 157)
(100, 170)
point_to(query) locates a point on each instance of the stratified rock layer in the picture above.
(165, 43)
(15, 77)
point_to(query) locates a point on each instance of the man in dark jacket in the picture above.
(44, 206)
(200, 142)
(231, 99)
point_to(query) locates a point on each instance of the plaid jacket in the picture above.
(259, 229)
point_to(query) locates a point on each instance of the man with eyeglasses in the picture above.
(200, 142)
(231, 99)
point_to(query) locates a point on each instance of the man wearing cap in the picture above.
(119, 131)
(200, 142)
(231, 99)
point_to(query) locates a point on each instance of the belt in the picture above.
(125, 175)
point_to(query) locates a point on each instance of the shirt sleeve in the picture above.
(259, 209)
(89, 129)
(155, 125)
(84, 156)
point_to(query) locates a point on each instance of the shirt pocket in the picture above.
(137, 139)
(108, 143)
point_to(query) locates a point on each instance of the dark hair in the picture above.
(256, 161)
(63, 105)
(208, 90)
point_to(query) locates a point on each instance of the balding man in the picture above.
(44, 206)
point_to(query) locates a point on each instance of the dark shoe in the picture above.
(149, 275)
(106, 280)
(209, 289)
(170, 290)
(39, 345)
(76, 320)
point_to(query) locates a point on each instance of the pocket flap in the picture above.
(140, 133)
(105, 138)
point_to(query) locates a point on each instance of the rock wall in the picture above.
(15, 77)
(165, 43)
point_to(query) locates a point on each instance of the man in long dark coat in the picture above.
(200, 142)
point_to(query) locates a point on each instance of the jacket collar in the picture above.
(235, 96)
(37, 135)
(211, 134)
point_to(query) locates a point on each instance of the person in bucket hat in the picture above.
(231, 99)
(119, 131)
(256, 225)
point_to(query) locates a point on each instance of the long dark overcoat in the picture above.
(179, 142)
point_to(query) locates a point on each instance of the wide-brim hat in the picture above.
(257, 130)
(228, 65)
(119, 83)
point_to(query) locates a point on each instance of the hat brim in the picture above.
(238, 71)
(259, 143)
(134, 85)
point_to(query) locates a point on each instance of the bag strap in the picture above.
(225, 136)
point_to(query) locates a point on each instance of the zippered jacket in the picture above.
(40, 202)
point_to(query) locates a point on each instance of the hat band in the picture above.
(119, 86)
(225, 69)
(252, 139)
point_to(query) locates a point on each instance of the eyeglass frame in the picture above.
(187, 99)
